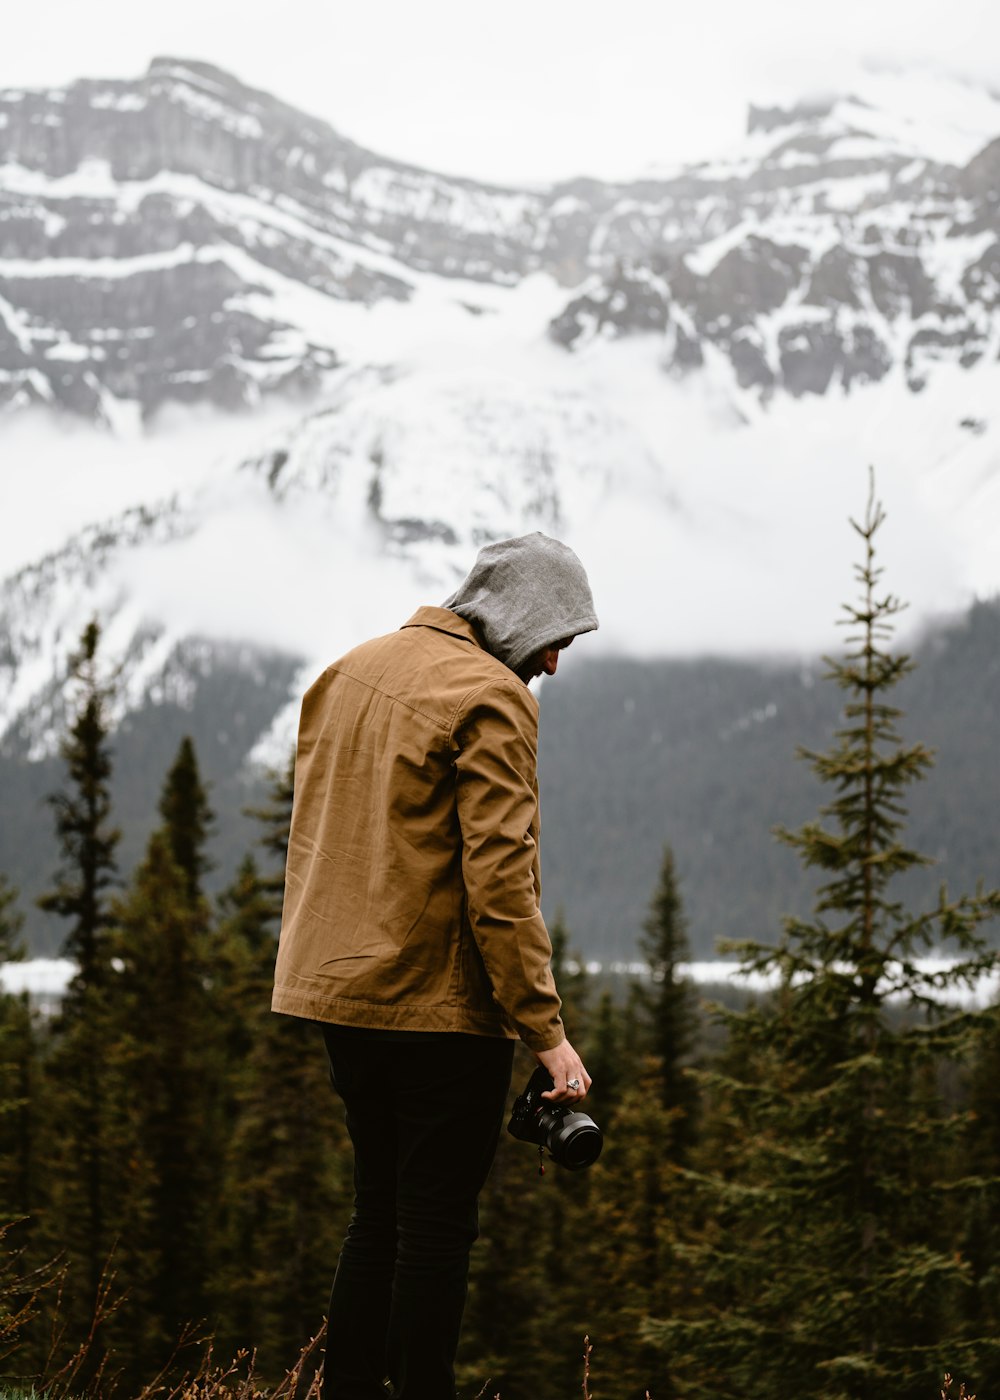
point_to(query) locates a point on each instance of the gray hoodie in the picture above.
(525, 594)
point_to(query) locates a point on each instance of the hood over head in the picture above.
(525, 594)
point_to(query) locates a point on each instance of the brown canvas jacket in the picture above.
(412, 883)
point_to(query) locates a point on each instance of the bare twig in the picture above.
(946, 1389)
(67, 1379)
(587, 1349)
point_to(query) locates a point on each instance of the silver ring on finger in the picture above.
(572, 1083)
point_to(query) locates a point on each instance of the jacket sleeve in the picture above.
(496, 758)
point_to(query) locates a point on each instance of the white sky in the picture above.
(517, 90)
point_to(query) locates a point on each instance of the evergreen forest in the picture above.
(799, 1191)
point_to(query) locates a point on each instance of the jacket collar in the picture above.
(444, 620)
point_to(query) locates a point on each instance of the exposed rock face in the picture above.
(149, 231)
(138, 221)
(824, 258)
(980, 180)
(630, 301)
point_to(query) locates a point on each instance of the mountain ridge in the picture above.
(186, 167)
(685, 376)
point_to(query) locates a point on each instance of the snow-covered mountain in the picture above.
(686, 375)
(150, 228)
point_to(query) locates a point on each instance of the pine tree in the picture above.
(642, 1199)
(19, 1105)
(670, 1005)
(11, 923)
(639, 1212)
(833, 1266)
(275, 818)
(570, 973)
(79, 1153)
(164, 1070)
(187, 818)
(604, 1057)
(241, 970)
(85, 836)
(980, 1230)
(288, 1172)
(162, 1058)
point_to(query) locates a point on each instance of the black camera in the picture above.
(572, 1138)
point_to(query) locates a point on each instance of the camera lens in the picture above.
(575, 1141)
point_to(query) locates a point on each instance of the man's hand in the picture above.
(565, 1066)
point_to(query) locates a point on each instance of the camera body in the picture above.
(573, 1140)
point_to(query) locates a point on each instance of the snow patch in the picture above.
(70, 352)
(113, 101)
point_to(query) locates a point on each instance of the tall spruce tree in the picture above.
(570, 973)
(287, 1187)
(187, 818)
(79, 1152)
(979, 1235)
(165, 1067)
(86, 838)
(605, 1058)
(639, 1214)
(275, 817)
(11, 924)
(164, 1070)
(670, 1005)
(833, 1266)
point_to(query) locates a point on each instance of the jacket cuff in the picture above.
(544, 1040)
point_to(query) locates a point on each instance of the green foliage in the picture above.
(669, 1002)
(187, 818)
(570, 975)
(605, 1057)
(87, 840)
(77, 1140)
(11, 923)
(163, 1069)
(274, 817)
(977, 1232)
(165, 1066)
(18, 1080)
(287, 1184)
(837, 1262)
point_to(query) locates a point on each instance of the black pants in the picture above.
(424, 1115)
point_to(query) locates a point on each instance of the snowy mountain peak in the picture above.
(186, 239)
(661, 363)
(913, 114)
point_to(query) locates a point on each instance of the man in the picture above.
(411, 929)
